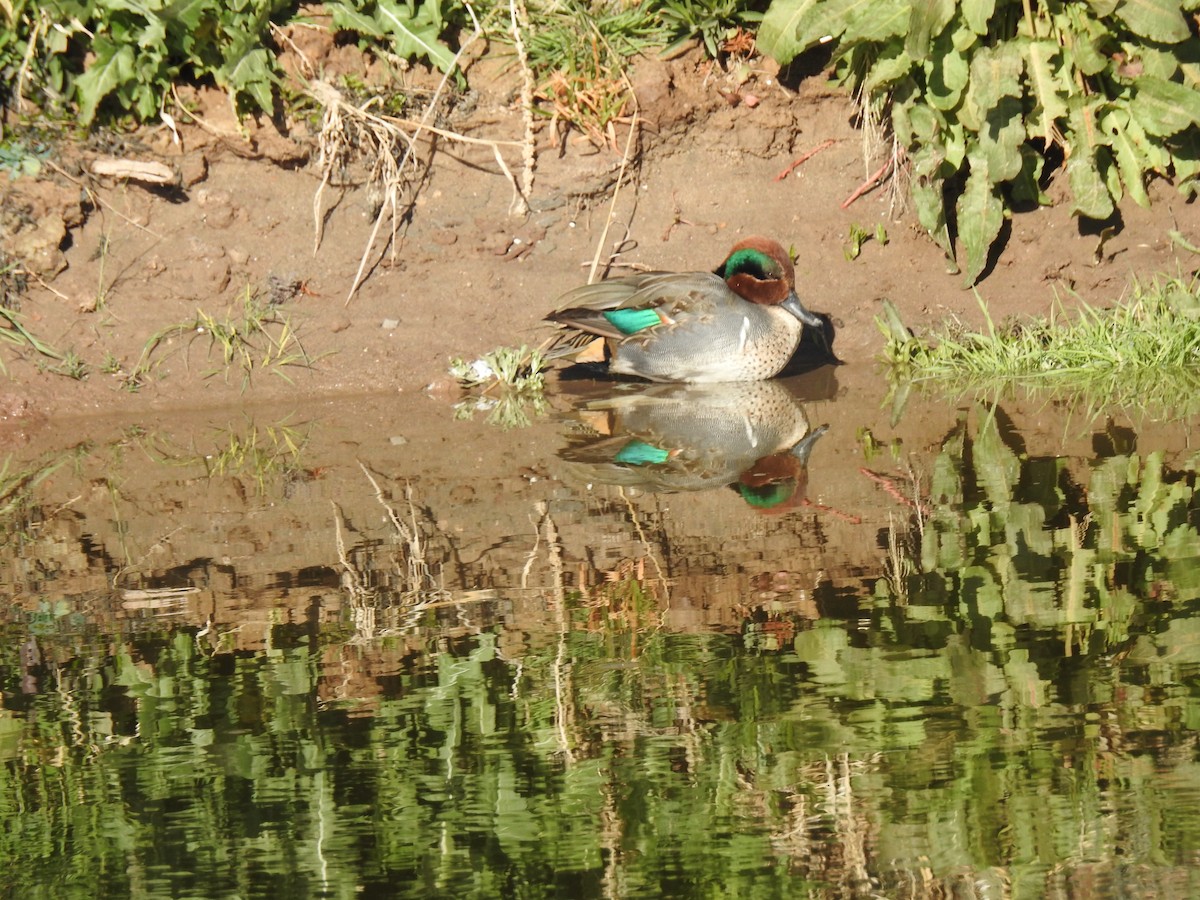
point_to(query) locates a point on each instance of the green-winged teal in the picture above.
(742, 322)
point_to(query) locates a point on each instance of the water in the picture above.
(635, 649)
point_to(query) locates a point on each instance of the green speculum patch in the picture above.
(631, 321)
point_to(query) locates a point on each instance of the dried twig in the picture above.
(881, 173)
(824, 145)
(625, 157)
(520, 24)
(388, 144)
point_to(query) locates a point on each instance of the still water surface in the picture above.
(659, 643)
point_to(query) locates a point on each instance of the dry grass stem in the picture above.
(520, 24)
(612, 206)
(388, 146)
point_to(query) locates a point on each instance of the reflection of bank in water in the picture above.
(752, 436)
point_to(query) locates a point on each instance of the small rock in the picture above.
(38, 247)
(206, 197)
(390, 324)
(397, 440)
(193, 170)
(219, 216)
(339, 324)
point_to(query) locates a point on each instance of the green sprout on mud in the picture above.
(71, 365)
(859, 236)
(508, 383)
(260, 339)
(13, 332)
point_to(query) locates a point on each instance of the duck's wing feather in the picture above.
(584, 307)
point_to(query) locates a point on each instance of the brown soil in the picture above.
(117, 262)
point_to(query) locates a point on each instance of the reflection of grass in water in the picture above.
(624, 596)
(507, 383)
(264, 455)
(17, 484)
(1144, 352)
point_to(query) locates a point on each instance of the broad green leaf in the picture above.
(189, 13)
(1103, 7)
(1044, 70)
(415, 36)
(926, 21)
(1026, 187)
(779, 34)
(1000, 140)
(1088, 190)
(1163, 107)
(348, 18)
(892, 65)
(835, 16)
(876, 25)
(250, 74)
(1082, 36)
(922, 136)
(995, 73)
(947, 72)
(954, 143)
(1185, 157)
(1159, 62)
(930, 203)
(978, 13)
(112, 67)
(903, 103)
(1158, 20)
(153, 36)
(1083, 130)
(980, 217)
(1115, 125)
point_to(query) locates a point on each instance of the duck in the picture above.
(741, 322)
(754, 437)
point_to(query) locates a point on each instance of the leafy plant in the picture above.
(413, 29)
(503, 382)
(21, 158)
(859, 236)
(577, 53)
(981, 94)
(140, 50)
(713, 21)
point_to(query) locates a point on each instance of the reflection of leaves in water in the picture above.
(1014, 539)
(510, 409)
(1026, 711)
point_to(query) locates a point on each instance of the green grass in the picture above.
(1143, 351)
(14, 333)
(256, 339)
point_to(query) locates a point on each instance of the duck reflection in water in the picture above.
(753, 436)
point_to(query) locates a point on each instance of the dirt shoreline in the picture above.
(117, 263)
